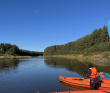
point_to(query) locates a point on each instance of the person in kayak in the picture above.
(92, 71)
(94, 78)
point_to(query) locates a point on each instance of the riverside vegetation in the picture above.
(8, 51)
(7, 56)
(94, 47)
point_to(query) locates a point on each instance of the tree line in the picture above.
(98, 40)
(7, 48)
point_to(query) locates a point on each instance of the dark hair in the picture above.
(90, 65)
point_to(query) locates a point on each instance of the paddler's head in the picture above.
(90, 65)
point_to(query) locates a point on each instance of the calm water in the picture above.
(42, 74)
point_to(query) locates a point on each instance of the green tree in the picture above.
(88, 43)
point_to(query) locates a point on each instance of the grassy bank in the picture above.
(99, 58)
(6, 56)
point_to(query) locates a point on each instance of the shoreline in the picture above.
(98, 58)
(14, 57)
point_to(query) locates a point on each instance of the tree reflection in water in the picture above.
(7, 65)
(73, 65)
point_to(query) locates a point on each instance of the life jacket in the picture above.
(94, 72)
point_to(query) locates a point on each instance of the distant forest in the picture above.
(7, 48)
(98, 40)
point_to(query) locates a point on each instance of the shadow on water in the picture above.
(8, 65)
(74, 65)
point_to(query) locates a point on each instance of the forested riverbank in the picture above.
(97, 41)
(9, 51)
(94, 47)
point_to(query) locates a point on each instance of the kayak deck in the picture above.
(75, 81)
(74, 87)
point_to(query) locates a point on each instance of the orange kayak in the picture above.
(83, 82)
(74, 87)
(86, 91)
(75, 81)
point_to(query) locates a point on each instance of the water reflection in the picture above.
(8, 65)
(69, 64)
(73, 65)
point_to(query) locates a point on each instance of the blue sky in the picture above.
(36, 24)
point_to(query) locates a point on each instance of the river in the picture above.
(39, 74)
